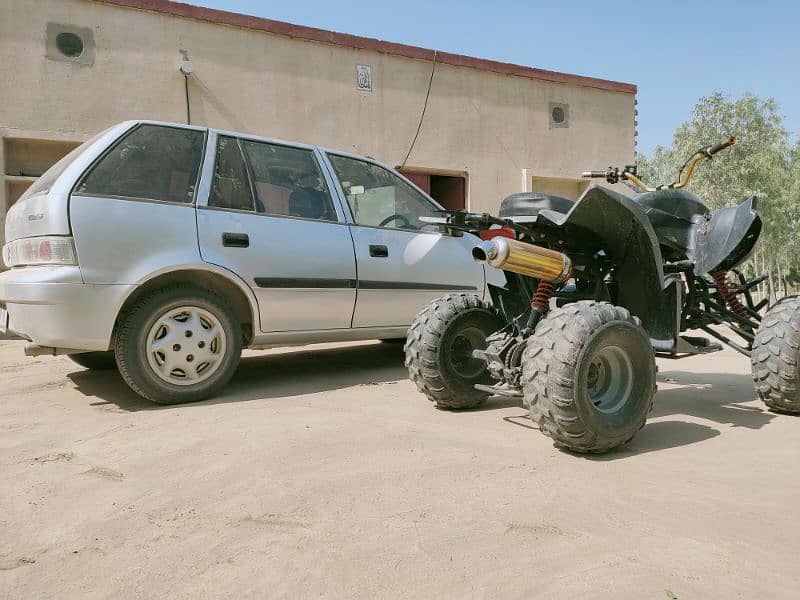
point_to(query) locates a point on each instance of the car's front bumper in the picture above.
(50, 306)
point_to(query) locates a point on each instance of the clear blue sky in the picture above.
(675, 52)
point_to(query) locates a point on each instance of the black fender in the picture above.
(727, 238)
(674, 215)
(620, 228)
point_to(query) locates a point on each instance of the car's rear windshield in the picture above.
(150, 162)
(43, 184)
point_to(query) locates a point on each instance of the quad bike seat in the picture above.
(713, 240)
(674, 215)
(528, 204)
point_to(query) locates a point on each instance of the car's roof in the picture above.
(252, 136)
(127, 125)
(132, 122)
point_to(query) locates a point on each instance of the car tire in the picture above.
(180, 344)
(95, 361)
(776, 355)
(439, 350)
(589, 376)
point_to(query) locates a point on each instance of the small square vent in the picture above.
(559, 114)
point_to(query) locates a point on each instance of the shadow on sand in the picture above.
(284, 374)
(716, 397)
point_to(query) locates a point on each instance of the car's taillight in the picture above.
(45, 250)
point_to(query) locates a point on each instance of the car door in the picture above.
(403, 264)
(270, 218)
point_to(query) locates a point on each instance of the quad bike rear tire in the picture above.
(439, 350)
(589, 376)
(95, 361)
(776, 354)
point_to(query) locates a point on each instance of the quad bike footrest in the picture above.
(690, 344)
(499, 389)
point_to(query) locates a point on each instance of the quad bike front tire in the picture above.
(95, 361)
(589, 376)
(439, 350)
(775, 356)
(179, 344)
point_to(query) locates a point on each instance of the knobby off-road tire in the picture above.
(775, 356)
(180, 344)
(95, 361)
(589, 375)
(439, 350)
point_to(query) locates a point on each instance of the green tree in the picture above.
(763, 164)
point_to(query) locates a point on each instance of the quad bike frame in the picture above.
(685, 301)
(609, 266)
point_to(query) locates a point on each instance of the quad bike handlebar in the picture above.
(628, 173)
(721, 146)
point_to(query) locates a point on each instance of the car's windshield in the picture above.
(378, 197)
(47, 179)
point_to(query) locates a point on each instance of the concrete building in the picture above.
(71, 68)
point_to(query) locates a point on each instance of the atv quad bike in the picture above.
(595, 290)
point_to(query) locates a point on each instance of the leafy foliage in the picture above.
(763, 164)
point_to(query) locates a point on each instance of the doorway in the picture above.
(569, 188)
(448, 190)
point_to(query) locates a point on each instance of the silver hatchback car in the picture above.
(164, 249)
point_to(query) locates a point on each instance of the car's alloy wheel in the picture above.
(186, 345)
(179, 344)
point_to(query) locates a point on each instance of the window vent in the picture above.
(68, 43)
(559, 114)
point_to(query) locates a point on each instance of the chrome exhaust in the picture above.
(525, 259)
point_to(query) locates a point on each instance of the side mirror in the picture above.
(441, 226)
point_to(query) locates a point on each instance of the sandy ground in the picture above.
(323, 473)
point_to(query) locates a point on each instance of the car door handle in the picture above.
(235, 240)
(378, 250)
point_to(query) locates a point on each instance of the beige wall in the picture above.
(490, 125)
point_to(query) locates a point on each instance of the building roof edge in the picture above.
(302, 32)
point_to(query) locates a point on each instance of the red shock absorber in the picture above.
(541, 299)
(724, 289)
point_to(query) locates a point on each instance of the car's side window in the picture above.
(288, 181)
(152, 162)
(379, 198)
(230, 187)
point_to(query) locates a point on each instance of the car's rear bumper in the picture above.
(51, 307)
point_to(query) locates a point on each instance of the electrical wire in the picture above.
(424, 108)
(186, 90)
